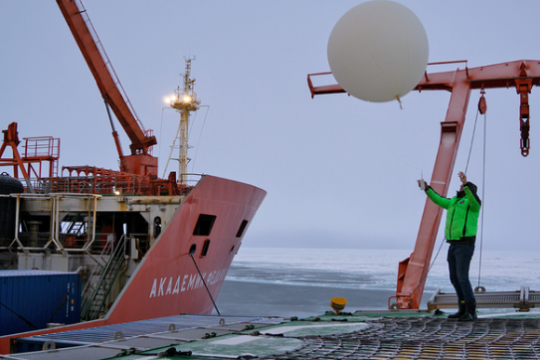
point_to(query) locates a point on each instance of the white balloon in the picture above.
(378, 51)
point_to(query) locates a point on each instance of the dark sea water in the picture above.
(301, 282)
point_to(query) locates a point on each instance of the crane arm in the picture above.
(101, 68)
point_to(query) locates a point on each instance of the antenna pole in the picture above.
(185, 102)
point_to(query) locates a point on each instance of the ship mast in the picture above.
(185, 101)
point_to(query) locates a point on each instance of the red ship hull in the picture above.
(167, 282)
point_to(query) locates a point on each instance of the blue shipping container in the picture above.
(31, 299)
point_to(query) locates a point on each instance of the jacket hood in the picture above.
(473, 189)
(471, 186)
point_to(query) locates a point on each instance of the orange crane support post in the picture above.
(522, 75)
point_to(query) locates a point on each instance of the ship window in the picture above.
(241, 229)
(205, 247)
(204, 225)
(232, 249)
(192, 249)
(157, 226)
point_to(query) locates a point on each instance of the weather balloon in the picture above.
(378, 51)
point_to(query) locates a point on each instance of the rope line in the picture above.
(20, 316)
(472, 142)
(483, 185)
(204, 282)
(484, 200)
(160, 130)
(65, 297)
(199, 140)
(425, 275)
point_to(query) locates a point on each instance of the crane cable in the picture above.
(483, 190)
(483, 197)
(200, 135)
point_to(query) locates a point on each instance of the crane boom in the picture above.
(140, 162)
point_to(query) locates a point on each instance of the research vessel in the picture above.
(403, 331)
(507, 326)
(142, 246)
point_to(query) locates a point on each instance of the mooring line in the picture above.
(204, 282)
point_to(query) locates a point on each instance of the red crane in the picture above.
(140, 162)
(522, 75)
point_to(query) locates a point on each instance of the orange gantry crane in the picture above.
(521, 75)
(36, 151)
(140, 162)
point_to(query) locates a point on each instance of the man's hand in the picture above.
(462, 177)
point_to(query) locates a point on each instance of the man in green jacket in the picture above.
(461, 224)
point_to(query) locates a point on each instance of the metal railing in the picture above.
(94, 297)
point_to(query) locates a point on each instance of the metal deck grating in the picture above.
(143, 343)
(144, 327)
(140, 335)
(79, 353)
(428, 338)
(407, 337)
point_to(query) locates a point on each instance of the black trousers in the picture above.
(459, 261)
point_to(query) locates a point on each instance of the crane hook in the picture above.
(524, 126)
(482, 105)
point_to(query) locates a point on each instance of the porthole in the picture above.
(205, 247)
(192, 249)
(241, 229)
(157, 226)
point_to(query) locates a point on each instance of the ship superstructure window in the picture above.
(241, 229)
(75, 227)
(205, 247)
(157, 226)
(204, 225)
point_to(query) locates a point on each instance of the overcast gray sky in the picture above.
(339, 172)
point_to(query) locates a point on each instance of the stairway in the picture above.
(94, 297)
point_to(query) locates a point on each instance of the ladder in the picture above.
(94, 297)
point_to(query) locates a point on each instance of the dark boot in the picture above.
(460, 312)
(470, 312)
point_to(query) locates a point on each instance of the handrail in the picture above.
(116, 260)
(87, 301)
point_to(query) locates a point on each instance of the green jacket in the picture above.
(462, 213)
